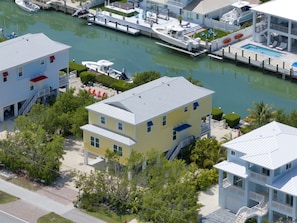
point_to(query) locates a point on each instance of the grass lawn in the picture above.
(218, 34)
(25, 183)
(6, 198)
(111, 217)
(52, 217)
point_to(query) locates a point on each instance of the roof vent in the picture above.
(139, 96)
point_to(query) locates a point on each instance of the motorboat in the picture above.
(27, 5)
(175, 35)
(81, 13)
(240, 13)
(105, 67)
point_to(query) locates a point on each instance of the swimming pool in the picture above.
(262, 50)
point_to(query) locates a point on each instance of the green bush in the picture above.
(110, 82)
(87, 76)
(217, 114)
(232, 119)
(78, 67)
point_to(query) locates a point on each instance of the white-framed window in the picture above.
(289, 200)
(185, 108)
(20, 71)
(237, 181)
(174, 135)
(102, 120)
(120, 126)
(149, 125)
(233, 153)
(94, 142)
(164, 120)
(118, 149)
(288, 166)
(41, 61)
(195, 105)
(265, 171)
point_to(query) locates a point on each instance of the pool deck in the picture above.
(281, 65)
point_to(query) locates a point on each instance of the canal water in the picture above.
(236, 87)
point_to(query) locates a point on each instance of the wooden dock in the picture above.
(194, 54)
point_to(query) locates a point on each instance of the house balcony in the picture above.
(63, 81)
(278, 27)
(261, 26)
(282, 208)
(258, 177)
(232, 189)
(205, 128)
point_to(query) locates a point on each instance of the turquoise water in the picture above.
(262, 50)
(236, 87)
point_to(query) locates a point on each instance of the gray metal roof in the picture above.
(281, 8)
(208, 6)
(27, 48)
(270, 146)
(108, 134)
(231, 167)
(150, 100)
(287, 183)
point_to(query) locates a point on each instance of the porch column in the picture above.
(220, 178)
(294, 209)
(86, 155)
(209, 126)
(270, 212)
(289, 36)
(246, 191)
(1, 115)
(16, 110)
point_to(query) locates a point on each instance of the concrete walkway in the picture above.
(42, 203)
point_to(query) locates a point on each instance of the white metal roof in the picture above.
(287, 183)
(27, 48)
(208, 6)
(281, 8)
(234, 168)
(270, 146)
(150, 100)
(108, 134)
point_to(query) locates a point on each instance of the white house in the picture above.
(276, 21)
(259, 177)
(30, 72)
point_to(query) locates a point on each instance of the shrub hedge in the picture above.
(232, 119)
(217, 114)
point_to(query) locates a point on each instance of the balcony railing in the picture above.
(233, 189)
(259, 177)
(282, 208)
(279, 27)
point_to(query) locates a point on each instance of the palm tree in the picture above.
(261, 115)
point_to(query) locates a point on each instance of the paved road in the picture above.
(43, 202)
(7, 218)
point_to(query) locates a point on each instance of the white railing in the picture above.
(232, 189)
(259, 177)
(285, 209)
(172, 153)
(257, 197)
(245, 213)
(63, 81)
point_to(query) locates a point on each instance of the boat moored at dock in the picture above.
(105, 67)
(27, 5)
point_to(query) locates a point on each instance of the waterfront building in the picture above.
(30, 72)
(165, 114)
(259, 176)
(276, 21)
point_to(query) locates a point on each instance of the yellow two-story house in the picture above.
(165, 114)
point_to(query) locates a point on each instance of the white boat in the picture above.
(27, 5)
(240, 13)
(105, 67)
(175, 35)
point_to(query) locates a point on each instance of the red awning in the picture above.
(52, 57)
(5, 74)
(39, 78)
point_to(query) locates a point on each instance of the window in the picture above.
(232, 153)
(52, 58)
(274, 195)
(289, 199)
(164, 120)
(31, 87)
(174, 135)
(288, 166)
(237, 181)
(94, 142)
(4, 79)
(265, 172)
(185, 108)
(120, 126)
(277, 172)
(41, 61)
(149, 126)
(20, 71)
(118, 149)
(102, 120)
(195, 105)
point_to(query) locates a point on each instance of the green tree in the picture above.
(261, 115)
(145, 77)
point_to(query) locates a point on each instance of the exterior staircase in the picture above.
(245, 213)
(173, 152)
(31, 101)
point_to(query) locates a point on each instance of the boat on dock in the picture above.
(175, 35)
(105, 67)
(27, 5)
(240, 13)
